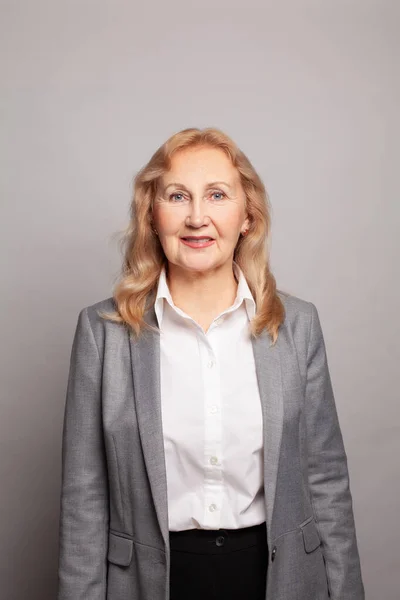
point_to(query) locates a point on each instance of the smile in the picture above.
(197, 242)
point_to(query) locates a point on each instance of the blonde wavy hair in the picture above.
(144, 257)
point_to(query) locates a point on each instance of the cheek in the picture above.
(167, 221)
(229, 224)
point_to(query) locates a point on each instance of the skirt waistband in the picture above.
(217, 541)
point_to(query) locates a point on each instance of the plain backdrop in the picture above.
(89, 89)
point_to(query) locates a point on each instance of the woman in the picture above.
(202, 454)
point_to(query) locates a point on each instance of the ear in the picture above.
(246, 225)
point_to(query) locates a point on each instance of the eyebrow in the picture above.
(210, 184)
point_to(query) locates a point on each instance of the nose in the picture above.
(197, 216)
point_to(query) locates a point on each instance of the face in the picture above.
(199, 211)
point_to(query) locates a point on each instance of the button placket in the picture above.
(212, 435)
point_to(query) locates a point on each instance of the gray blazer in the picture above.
(114, 537)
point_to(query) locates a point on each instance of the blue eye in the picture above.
(222, 194)
(172, 197)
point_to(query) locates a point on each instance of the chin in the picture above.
(198, 264)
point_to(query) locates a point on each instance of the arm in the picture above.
(84, 492)
(328, 474)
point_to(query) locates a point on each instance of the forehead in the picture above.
(208, 164)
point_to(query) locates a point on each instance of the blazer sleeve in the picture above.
(84, 514)
(328, 474)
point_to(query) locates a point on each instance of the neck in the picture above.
(202, 294)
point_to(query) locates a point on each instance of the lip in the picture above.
(192, 243)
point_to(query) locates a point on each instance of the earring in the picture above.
(245, 232)
(155, 230)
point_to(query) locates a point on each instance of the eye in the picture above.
(221, 194)
(177, 197)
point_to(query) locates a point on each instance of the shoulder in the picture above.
(296, 308)
(302, 322)
(105, 305)
(90, 319)
(301, 317)
(93, 311)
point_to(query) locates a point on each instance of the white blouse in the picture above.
(212, 417)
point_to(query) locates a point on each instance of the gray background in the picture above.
(89, 89)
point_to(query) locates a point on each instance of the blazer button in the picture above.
(273, 554)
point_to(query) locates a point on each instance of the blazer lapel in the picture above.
(145, 359)
(268, 368)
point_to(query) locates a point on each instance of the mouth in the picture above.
(197, 242)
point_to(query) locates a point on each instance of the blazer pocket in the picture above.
(310, 536)
(119, 550)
